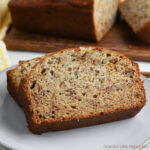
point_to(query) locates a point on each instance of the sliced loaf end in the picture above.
(81, 87)
(105, 15)
(15, 75)
(137, 15)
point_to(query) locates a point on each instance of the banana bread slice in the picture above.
(79, 19)
(15, 75)
(137, 15)
(81, 87)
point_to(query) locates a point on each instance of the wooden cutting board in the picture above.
(119, 38)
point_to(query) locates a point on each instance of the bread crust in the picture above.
(72, 18)
(86, 4)
(38, 128)
(12, 85)
(12, 88)
(62, 18)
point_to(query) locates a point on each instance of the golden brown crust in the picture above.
(12, 85)
(68, 18)
(80, 122)
(87, 4)
(75, 15)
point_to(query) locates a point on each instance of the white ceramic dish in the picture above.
(126, 133)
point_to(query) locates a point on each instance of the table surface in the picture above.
(15, 56)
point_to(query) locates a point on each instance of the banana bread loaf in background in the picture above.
(79, 19)
(137, 14)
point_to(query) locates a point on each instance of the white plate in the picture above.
(126, 133)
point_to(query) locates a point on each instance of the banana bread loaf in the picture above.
(137, 15)
(80, 19)
(81, 87)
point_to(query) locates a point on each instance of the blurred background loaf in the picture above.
(86, 19)
(137, 14)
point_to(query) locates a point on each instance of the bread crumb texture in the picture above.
(104, 16)
(21, 71)
(136, 13)
(84, 82)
